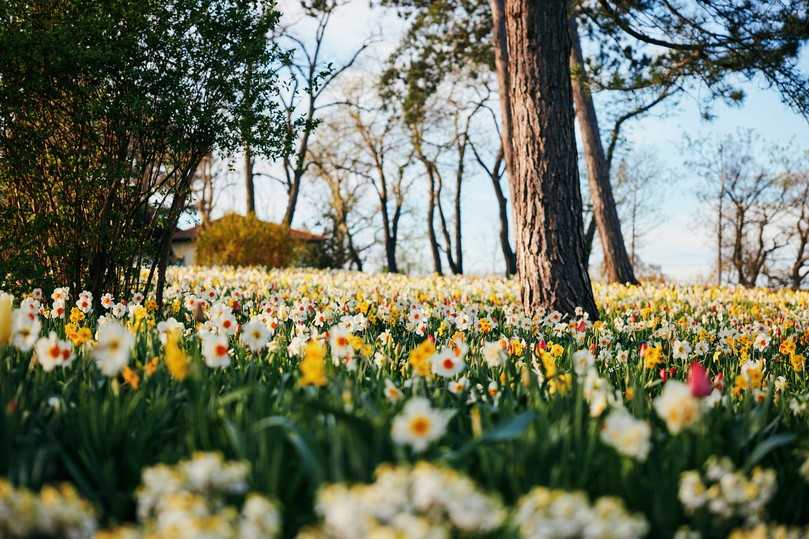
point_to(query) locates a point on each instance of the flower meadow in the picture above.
(338, 405)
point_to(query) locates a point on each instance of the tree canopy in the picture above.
(106, 108)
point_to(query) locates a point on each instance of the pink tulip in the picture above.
(699, 381)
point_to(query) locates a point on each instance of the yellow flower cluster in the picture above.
(313, 365)
(176, 359)
(420, 358)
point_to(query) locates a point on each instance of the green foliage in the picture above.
(106, 108)
(716, 43)
(641, 49)
(237, 240)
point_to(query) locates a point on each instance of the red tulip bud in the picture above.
(719, 381)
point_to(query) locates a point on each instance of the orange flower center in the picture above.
(420, 425)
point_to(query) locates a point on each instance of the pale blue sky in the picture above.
(679, 243)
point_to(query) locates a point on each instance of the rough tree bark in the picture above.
(543, 173)
(617, 265)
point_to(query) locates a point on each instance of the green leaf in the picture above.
(308, 458)
(510, 429)
(766, 446)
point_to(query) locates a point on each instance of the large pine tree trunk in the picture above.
(543, 173)
(617, 265)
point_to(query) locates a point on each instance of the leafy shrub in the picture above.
(106, 108)
(238, 240)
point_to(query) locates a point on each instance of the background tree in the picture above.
(642, 70)
(798, 204)
(792, 266)
(309, 75)
(438, 43)
(752, 200)
(638, 181)
(365, 142)
(332, 156)
(106, 109)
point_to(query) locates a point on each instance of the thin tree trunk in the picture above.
(390, 255)
(719, 230)
(495, 174)
(501, 59)
(796, 277)
(444, 229)
(589, 236)
(390, 240)
(543, 175)
(505, 242)
(634, 238)
(249, 183)
(292, 202)
(501, 62)
(353, 253)
(618, 267)
(294, 179)
(457, 217)
(431, 223)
